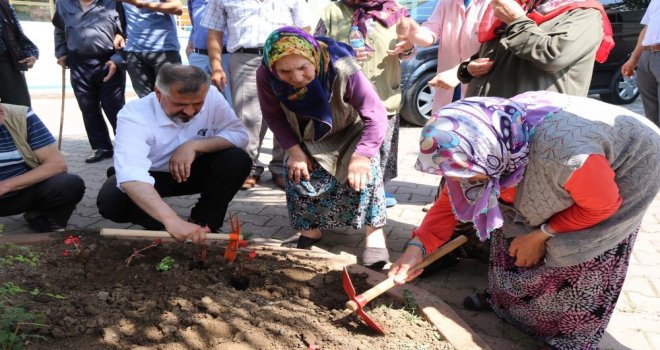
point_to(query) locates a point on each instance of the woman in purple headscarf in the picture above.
(559, 184)
(328, 117)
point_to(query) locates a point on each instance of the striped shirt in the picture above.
(247, 23)
(11, 162)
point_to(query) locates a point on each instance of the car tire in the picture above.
(623, 90)
(418, 100)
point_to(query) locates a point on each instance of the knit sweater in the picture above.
(560, 145)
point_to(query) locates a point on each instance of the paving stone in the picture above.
(644, 304)
(638, 284)
(653, 340)
(624, 340)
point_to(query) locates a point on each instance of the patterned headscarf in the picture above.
(312, 100)
(488, 136)
(385, 12)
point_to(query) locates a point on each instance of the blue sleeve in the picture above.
(38, 134)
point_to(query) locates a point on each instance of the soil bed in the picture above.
(293, 300)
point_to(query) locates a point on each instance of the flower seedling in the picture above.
(75, 242)
(137, 253)
(166, 264)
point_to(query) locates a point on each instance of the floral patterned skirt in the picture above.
(390, 149)
(565, 307)
(324, 203)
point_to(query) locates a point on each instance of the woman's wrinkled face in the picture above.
(295, 70)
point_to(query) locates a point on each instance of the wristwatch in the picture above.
(463, 75)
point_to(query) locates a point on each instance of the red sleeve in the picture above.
(595, 193)
(438, 224)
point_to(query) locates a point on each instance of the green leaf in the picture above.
(166, 264)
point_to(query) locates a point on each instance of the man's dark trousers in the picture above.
(56, 198)
(215, 176)
(143, 68)
(92, 93)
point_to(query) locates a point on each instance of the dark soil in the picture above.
(279, 300)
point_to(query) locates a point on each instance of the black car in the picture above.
(607, 81)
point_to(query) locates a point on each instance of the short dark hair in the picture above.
(188, 79)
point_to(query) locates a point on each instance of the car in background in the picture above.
(607, 81)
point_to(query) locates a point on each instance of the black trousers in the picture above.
(144, 66)
(215, 176)
(13, 87)
(55, 198)
(93, 94)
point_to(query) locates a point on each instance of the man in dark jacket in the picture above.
(17, 54)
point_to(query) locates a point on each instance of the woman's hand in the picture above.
(480, 66)
(361, 55)
(359, 172)
(299, 164)
(507, 11)
(528, 249)
(445, 80)
(401, 268)
(29, 61)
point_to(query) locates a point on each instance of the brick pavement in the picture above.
(263, 211)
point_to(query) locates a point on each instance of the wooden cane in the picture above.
(59, 138)
(117, 232)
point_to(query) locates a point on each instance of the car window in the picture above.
(625, 4)
(420, 10)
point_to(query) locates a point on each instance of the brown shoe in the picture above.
(279, 180)
(250, 182)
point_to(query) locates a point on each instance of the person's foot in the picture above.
(375, 258)
(279, 180)
(250, 182)
(41, 224)
(301, 242)
(99, 155)
(477, 302)
(390, 201)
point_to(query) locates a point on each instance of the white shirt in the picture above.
(147, 137)
(248, 23)
(652, 20)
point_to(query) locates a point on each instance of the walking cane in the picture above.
(59, 138)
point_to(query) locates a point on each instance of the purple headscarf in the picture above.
(385, 12)
(488, 136)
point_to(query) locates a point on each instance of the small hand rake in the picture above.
(232, 247)
(356, 302)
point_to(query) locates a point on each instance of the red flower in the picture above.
(242, 243)
(252, 254)
(75, 240)
(65, 252)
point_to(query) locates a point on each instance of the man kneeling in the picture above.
(33, 173)
(181, 139)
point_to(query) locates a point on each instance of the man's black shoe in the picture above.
(42, 224)
(99, 155)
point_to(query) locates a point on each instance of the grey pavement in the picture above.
(262, 211)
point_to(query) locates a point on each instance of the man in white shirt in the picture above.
(646, 57)
(247, 24)
(181, 139)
